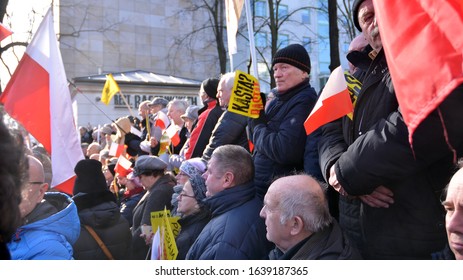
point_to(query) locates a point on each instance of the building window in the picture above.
(307, 43)
(282, 11)
(261, 39)
(283, 41)
(260, 9)
(305, 16)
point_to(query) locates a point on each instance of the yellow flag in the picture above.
(170, 246)
(110, 88)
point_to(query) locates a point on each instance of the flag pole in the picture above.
(127, 104)
(251, 38)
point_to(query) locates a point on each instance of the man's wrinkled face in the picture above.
(368, 24)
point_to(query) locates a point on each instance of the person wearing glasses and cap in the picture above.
(151, 171)
(50, 222)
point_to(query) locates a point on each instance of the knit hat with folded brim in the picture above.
(295, 55)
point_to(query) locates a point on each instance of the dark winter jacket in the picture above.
(202, 129)
(279, 142)
(328, 244)
(230, 129)
(380, 155)
(190, 227)
(236, 231)
(156, 199)
(100, 212)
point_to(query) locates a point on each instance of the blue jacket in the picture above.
(235, 232)
(50, 230)
(279, 144)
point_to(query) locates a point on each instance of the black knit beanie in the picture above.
(90, 178)
(295, 55)
(210, 87)
(355, 13)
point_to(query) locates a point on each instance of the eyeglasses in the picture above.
(35, 183)
(185, 195)
(182, 174)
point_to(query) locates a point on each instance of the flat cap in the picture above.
(147, 163)
(159, 101)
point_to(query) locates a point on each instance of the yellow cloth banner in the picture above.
(245, 97)
(169, 230)
(110, 88)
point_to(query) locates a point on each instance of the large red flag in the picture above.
(38, 97)
(4, 32)
(424, 50)
(333, 103)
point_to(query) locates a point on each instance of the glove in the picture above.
(262, 119)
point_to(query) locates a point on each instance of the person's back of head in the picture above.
(234, 159)
(13, 164)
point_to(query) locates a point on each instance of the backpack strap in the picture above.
(100, 242)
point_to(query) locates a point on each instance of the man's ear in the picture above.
(229, 179)
(43, 189)
(297, 225)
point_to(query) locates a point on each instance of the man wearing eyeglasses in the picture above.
(50, 221)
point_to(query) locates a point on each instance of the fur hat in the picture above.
(210, 87)
(90, 178)
(295, 55)
(355, 13)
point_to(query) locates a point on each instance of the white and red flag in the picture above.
(4, 32)
(162, 120)
(334, 102)
(172, 132)
(38, 97)
(123, 166)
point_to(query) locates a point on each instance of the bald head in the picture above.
(295, 207)
(34, 190)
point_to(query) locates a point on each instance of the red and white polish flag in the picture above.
(162, 120)
(4, 31)
(334, 102)
(38, 97)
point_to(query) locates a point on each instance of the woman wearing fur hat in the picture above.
(151, 171)
(98, 210)
(194, 215)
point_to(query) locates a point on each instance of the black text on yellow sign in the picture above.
(245, 98)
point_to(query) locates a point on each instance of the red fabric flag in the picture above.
(333, 103)
(172, 132)
(162, 120)
(424, 50)
(38, 97)
(123, 166)
(4, 32)
(116, 149)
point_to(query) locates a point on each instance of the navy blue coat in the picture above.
(236, 231)
(279, 144)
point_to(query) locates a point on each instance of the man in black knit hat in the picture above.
(278, 134)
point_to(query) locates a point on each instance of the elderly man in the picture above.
(454, 218)
(235, 231)
(299, 223)
(231, 127)
(50, 221)
(278, 134)
(399, 187)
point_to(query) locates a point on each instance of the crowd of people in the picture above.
(251, 188)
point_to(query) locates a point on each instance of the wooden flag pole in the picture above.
(127, 104)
